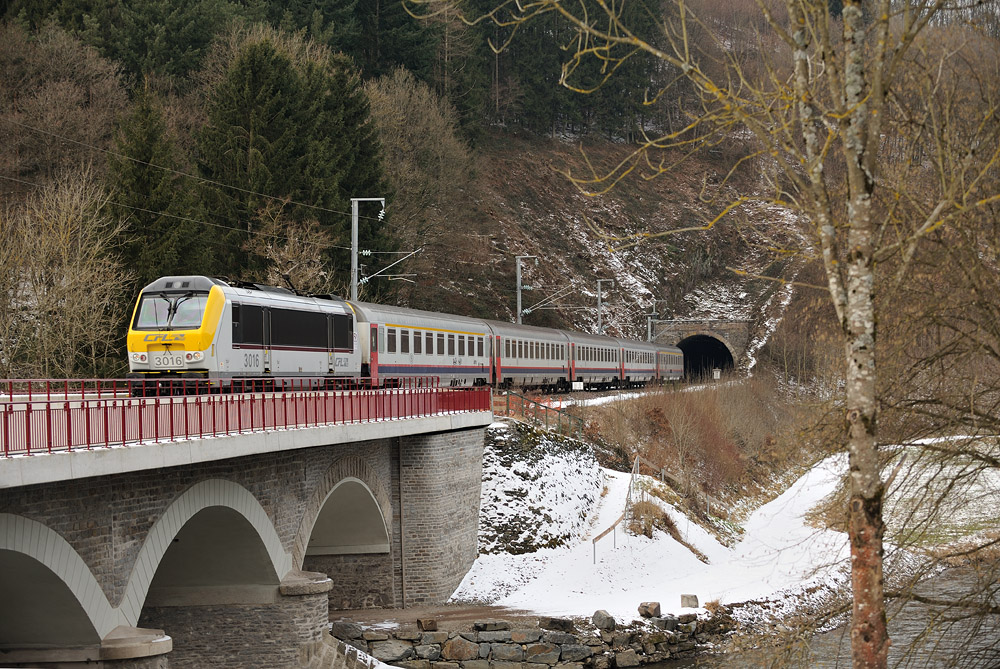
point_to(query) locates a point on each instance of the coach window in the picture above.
(391, 339)
(506, 348)
(418, 341)
(479, 346)
(461, 345)
(343, 332)
(451, 344)
(237, 333)
(429, 337)
(404, 341)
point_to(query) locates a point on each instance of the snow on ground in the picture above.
(779, 552)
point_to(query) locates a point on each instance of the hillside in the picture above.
(518, 203)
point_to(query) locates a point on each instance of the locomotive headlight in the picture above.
(194, 356)
(139, 357)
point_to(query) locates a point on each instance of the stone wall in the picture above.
(439, 490)
(361, 581)
(287, 633)
(494, 644)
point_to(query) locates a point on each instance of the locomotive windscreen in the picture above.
(170, 311)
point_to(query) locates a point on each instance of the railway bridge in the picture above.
(707, 343)
(219, 530)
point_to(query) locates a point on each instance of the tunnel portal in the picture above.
(702, 354)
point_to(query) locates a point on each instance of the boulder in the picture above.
(525, 636)
(558, 637)
(506, 652)
(666, 623)
(414, 664)
(544, 653)
(649, 609)
(346, 630)
(433, 637)
(371, 635)
(626, 658)
(575, 653)
(689, 601)
(427, 624)
(476, 664)
(497, 636)
(428, 652)
(490, 625)
(557, 624)
(391, 650)
(603, 621)
(460, 649)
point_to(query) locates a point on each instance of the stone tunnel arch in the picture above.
(704, 352)
(55, 601)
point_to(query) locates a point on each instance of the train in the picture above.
(202, 331)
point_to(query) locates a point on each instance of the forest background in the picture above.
(227, 138)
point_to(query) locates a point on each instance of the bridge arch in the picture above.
(705, 351)
(349, 512)
(215, 511)
(56, 601)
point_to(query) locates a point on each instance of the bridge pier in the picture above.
(286, 632)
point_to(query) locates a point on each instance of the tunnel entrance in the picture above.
(702, 354)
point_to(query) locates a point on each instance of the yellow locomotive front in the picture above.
(173, 329)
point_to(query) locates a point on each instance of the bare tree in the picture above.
(294, 251)
(63, 299)
(815, 118)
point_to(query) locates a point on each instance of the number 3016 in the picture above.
(251, 359)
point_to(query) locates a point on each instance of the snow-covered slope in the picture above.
(778, 552)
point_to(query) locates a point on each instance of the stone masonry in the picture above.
(495, 644)
(426, 487)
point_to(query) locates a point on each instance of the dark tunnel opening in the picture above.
(702, 354)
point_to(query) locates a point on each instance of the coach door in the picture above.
(373, 354)
(267, 340)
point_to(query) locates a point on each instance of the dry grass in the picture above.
(649, 516)
(740, 443)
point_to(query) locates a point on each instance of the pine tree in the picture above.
(288, 121)
(393, 38)
(164, 37)
(159, 206)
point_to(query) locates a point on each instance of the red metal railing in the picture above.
(38, 416)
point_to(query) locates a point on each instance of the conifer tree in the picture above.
(159, 206)
(168, 38)
(287, 122)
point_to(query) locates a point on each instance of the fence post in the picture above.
(69, 422)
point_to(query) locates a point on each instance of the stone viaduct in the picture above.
(707, 344)
(229, 551)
